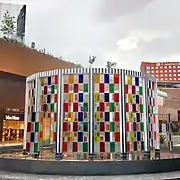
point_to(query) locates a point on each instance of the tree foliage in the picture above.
(8, 27)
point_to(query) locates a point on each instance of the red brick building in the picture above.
(163, 71)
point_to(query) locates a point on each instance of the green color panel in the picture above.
(36, 126)
(142, 146)
(112, 127)
(111, 107)
(112, 147)
(85, 126)
(52, 107)
(36, 147)
(85, 147)
(140, 90)
(52, 89)
(111, 88)
(85, 107)
(141, 108)
(142, 126)
(85, 87)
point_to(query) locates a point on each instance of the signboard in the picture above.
(168, 64)
(14, 117)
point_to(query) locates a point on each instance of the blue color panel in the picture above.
(80, 97)
(33, 116)
(138, 117)
(49, 80)
(107, 117)
(107, 136)
(138, 136)
(34, 84)
(49, 98)
(137, 99)
(137, 81)
(81, 78)
(32, 138)
(80, 136)
(106, 78)
(106, 97)
(80, 116)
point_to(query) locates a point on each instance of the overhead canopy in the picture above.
(16, 59)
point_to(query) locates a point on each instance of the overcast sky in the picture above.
(125, 31)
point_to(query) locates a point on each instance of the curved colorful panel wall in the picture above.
(92, 113)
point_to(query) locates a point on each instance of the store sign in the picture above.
(167, 64)
(9, 117)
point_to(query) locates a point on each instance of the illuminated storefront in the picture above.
(12, 126)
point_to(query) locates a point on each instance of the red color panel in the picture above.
(101, 104)
(75, 126)
(75, 147)
(134, 126)
(127, 107)
(117, 136)
(116, 117)
(65, 109)
(29, 127)
(55, 98)
(45, 89)
(75, 107)
(55, 136)
(102, 146)
(66, 88)
(133, 89)
(155, 135)
(55, 117)
(135, 145)
(76, 88)
(28, 146)
(153, 85)
(49, 115)
(56, 79)
(126, 89)
(134, 108)
(64, 147)
(116, 97)
(101, 87)
(116, 78)
(102, 126)
(65, 126)
(127, 126)
(128, 146)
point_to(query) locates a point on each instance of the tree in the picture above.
(8, 27)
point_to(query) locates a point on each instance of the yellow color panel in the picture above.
(96, 78)
(129, 78)
(71, 78)
(96, 97)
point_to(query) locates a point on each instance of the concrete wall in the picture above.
(88, 168)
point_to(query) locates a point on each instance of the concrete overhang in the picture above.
(24, 61)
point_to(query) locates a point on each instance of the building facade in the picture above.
(162, 71)
(85, 113)
(18, 14)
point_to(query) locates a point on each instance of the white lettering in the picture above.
(167, 64)
(12, 117)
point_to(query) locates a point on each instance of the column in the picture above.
(123, 118)
(59, 116)
(25, 118)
